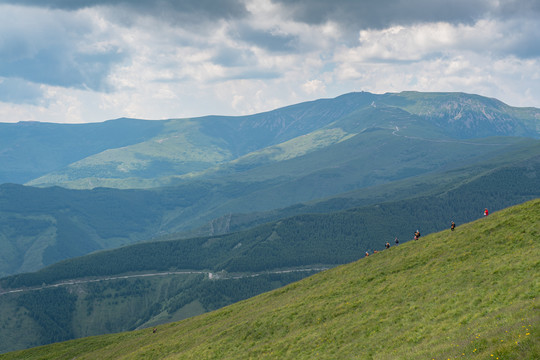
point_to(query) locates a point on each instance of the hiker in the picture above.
(396, 241)
(154, 331)
(367, 254)
(452, 226)
(486, 212)
(387, 245)
(417, 235)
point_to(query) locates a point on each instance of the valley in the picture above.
(146, 222)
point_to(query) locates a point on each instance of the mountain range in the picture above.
(195, 176)
(129, 153)
(260, 200)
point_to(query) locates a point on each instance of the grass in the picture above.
(467, 294)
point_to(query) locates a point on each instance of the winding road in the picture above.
(210, 275)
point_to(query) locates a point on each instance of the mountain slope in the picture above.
(40, 226)
(423, 185)
(88, 307)
(32, 149)
(306, 239)
(470, 293)
(296, 244)
(247, 164)
(186, 146)
(467, 115)
(186, 149)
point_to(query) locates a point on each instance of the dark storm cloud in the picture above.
(383, 13)
(53, 61)
(63, 68)
(210, 9)
(58, 4)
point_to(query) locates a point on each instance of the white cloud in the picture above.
(314, 87)
(102, 66)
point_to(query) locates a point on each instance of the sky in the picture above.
(78, 61)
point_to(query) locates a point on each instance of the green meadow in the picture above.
(471, 293)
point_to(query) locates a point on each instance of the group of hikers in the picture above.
(417, 234)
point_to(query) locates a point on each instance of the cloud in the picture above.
(50, 47)
(314, 86)
(379, 14)
(434, 40)
(77, 61)
(194, 10)
(17, 91)
(234, 57)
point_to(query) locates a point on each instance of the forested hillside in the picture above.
(86, 308)
(40, 226)
(216, 167)
(525, 156)
(303, 243)
(301, 240)
(468, 293)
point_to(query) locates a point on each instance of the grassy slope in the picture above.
(471, 293)
(476, 109)
(187, 148)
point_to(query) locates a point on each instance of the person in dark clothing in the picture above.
(417, 235)
(452, 226)
(396, 241)
(387, 245)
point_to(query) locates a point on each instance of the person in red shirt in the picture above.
(486, 212)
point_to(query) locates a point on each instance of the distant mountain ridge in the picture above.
(31, 149)
(128, 153)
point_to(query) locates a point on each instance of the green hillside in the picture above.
(471, 293)
(518, 157)
(31, 149)
(297, 243)
(198, 148)
(307, 239)
(471, 114)
(220, 166)
(188, 147)
(40, 226)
